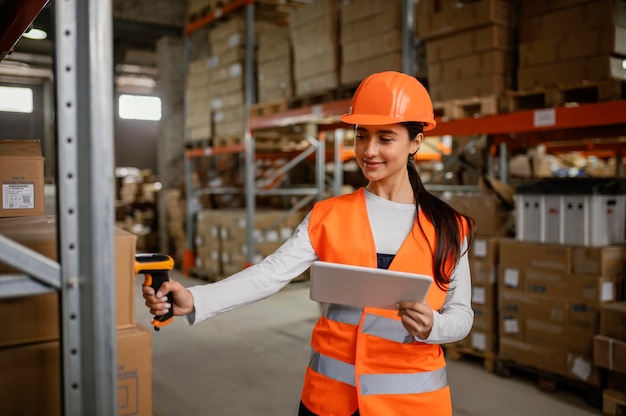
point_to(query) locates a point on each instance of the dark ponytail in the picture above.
(446, 220)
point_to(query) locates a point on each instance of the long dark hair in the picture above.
(446, 220)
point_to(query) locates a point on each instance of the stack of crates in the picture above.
(575, 211)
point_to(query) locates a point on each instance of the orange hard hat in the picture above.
(390, 97)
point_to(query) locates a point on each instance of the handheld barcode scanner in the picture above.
(155, 267)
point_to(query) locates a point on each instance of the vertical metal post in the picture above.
(190, 205)
(338, 163)
(504, 166)
(250, 190)
(408, 42)
(85, 178)
(320, 163)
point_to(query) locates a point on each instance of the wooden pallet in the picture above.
(458, 352)
(343, 92)
(563, 95)
(548, 381)
(228, 141)
(457, 108)
(270, 107)
(205, 274)
(613, 403)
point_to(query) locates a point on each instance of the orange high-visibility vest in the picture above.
(363, 357)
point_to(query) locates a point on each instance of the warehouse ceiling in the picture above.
(137, 26)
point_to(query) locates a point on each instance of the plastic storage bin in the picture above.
(585, 211)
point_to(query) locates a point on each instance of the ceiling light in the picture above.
(36, 34)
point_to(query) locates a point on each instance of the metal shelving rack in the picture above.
(84, 276)
(317, 115)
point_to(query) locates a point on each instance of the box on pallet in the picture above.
(35, 318)
(34, 371)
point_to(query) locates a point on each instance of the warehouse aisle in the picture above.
(252, 361)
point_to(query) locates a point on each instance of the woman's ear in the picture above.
(417, 142)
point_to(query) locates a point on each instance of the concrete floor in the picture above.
(252, 361)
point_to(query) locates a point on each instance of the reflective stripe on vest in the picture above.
(380, 383)
(342, 313)
(378, 326)
(403, 383)
(332, 368)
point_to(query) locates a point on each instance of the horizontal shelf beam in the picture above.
(30, 262)
(16, 285)
(215, 14)
(586, 115)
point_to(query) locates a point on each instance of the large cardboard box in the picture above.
(31, 376)
(609, 353)
(21, 177)
(613, 320)
(35, 318)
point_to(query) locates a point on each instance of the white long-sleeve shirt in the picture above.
(390, 222)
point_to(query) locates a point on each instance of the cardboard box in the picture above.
(598, 289)
(604, 261)
(613, 320)
(609, 353)
(31, 382)
(485, 208)
(21, 177)
(590, 15)
(599, 68)
(573, 365)
(439, 18)
(482, 39)
(35, 318)
(519, 254)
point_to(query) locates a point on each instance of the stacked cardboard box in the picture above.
(175, 214)
(315, 37)
(469, 47)
(198, 100)
(221, 239)
(274, 75)
(483, 258)
(21, 177)
(568, 42)
(371, 38)
(550, 297)
(609, 352)
(29, 340)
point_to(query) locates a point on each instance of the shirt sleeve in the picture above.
(454, 320)
(256, 282)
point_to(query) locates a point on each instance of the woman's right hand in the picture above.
(158, 303)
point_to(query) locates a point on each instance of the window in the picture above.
(16, 99)
(139, 107)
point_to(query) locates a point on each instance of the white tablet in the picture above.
(365, 286)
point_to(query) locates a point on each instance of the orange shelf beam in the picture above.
(211, 151)
(586, 115)
(214, 15)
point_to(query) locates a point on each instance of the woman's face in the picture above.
(382, 152)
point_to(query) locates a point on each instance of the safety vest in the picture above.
(363, 357)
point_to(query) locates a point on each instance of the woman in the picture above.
(368, 361)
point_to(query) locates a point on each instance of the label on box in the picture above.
(511, 326)
(581, 368)
(479, 341)
(480, 248)
(511, 277)
(18, 195)
(607, 292)
(479, 295)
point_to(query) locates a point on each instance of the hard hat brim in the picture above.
(378, 120)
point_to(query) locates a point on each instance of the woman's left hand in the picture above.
(417, 318)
